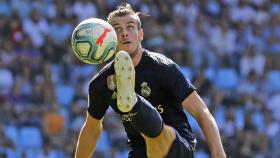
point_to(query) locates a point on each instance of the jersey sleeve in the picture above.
(97, 105)
(176, 83)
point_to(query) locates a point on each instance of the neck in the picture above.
(137, 57)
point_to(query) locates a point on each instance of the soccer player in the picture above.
(149, 92)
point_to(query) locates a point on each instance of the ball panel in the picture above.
(110, 54)
(109, 51)
(83, 48)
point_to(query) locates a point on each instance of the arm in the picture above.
(88, 137)
(197, 108)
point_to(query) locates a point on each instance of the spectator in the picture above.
(252, 61)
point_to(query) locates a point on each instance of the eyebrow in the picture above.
(129, 22)
(115, 24)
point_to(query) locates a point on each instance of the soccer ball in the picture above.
(94, 41)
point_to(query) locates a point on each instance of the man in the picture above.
(149, 92)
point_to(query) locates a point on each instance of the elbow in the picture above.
(205, 117)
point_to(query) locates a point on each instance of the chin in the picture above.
(128, 50)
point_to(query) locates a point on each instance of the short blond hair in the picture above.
(123, 10)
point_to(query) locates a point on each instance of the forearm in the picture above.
(195, 105)
(87, 142)
(211, 133)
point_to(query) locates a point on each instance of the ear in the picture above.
(141, 34)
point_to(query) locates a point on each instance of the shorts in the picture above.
(181, 148)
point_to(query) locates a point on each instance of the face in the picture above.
(128, 33)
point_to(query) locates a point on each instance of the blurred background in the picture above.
(230, 49)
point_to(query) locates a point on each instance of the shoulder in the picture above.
(100, 77)
(164, 65)
(159, 59)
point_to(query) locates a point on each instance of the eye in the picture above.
(130, 27)
(118, 29)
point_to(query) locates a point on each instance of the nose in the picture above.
(124, 34)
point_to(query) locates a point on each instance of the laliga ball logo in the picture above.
(94, 41)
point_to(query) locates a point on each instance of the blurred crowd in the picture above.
(223, 46)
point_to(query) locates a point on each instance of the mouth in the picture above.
(126, 42)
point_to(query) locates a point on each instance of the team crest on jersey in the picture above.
(145, 89)
(111, 82)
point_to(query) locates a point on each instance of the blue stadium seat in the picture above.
(31, 153)
(187, 72)
(210, 73)
(240, 117)
(84, 71)
(273, 77)
(64, 94)
(9, 152)
(30, 137)
(12, 133)
(55, 73)
(34, 153)
(201, 154)
(258, 120)
(226, 79)
(103, 143)
(219, 115)
(87, 71)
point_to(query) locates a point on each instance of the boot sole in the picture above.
(125, 76)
